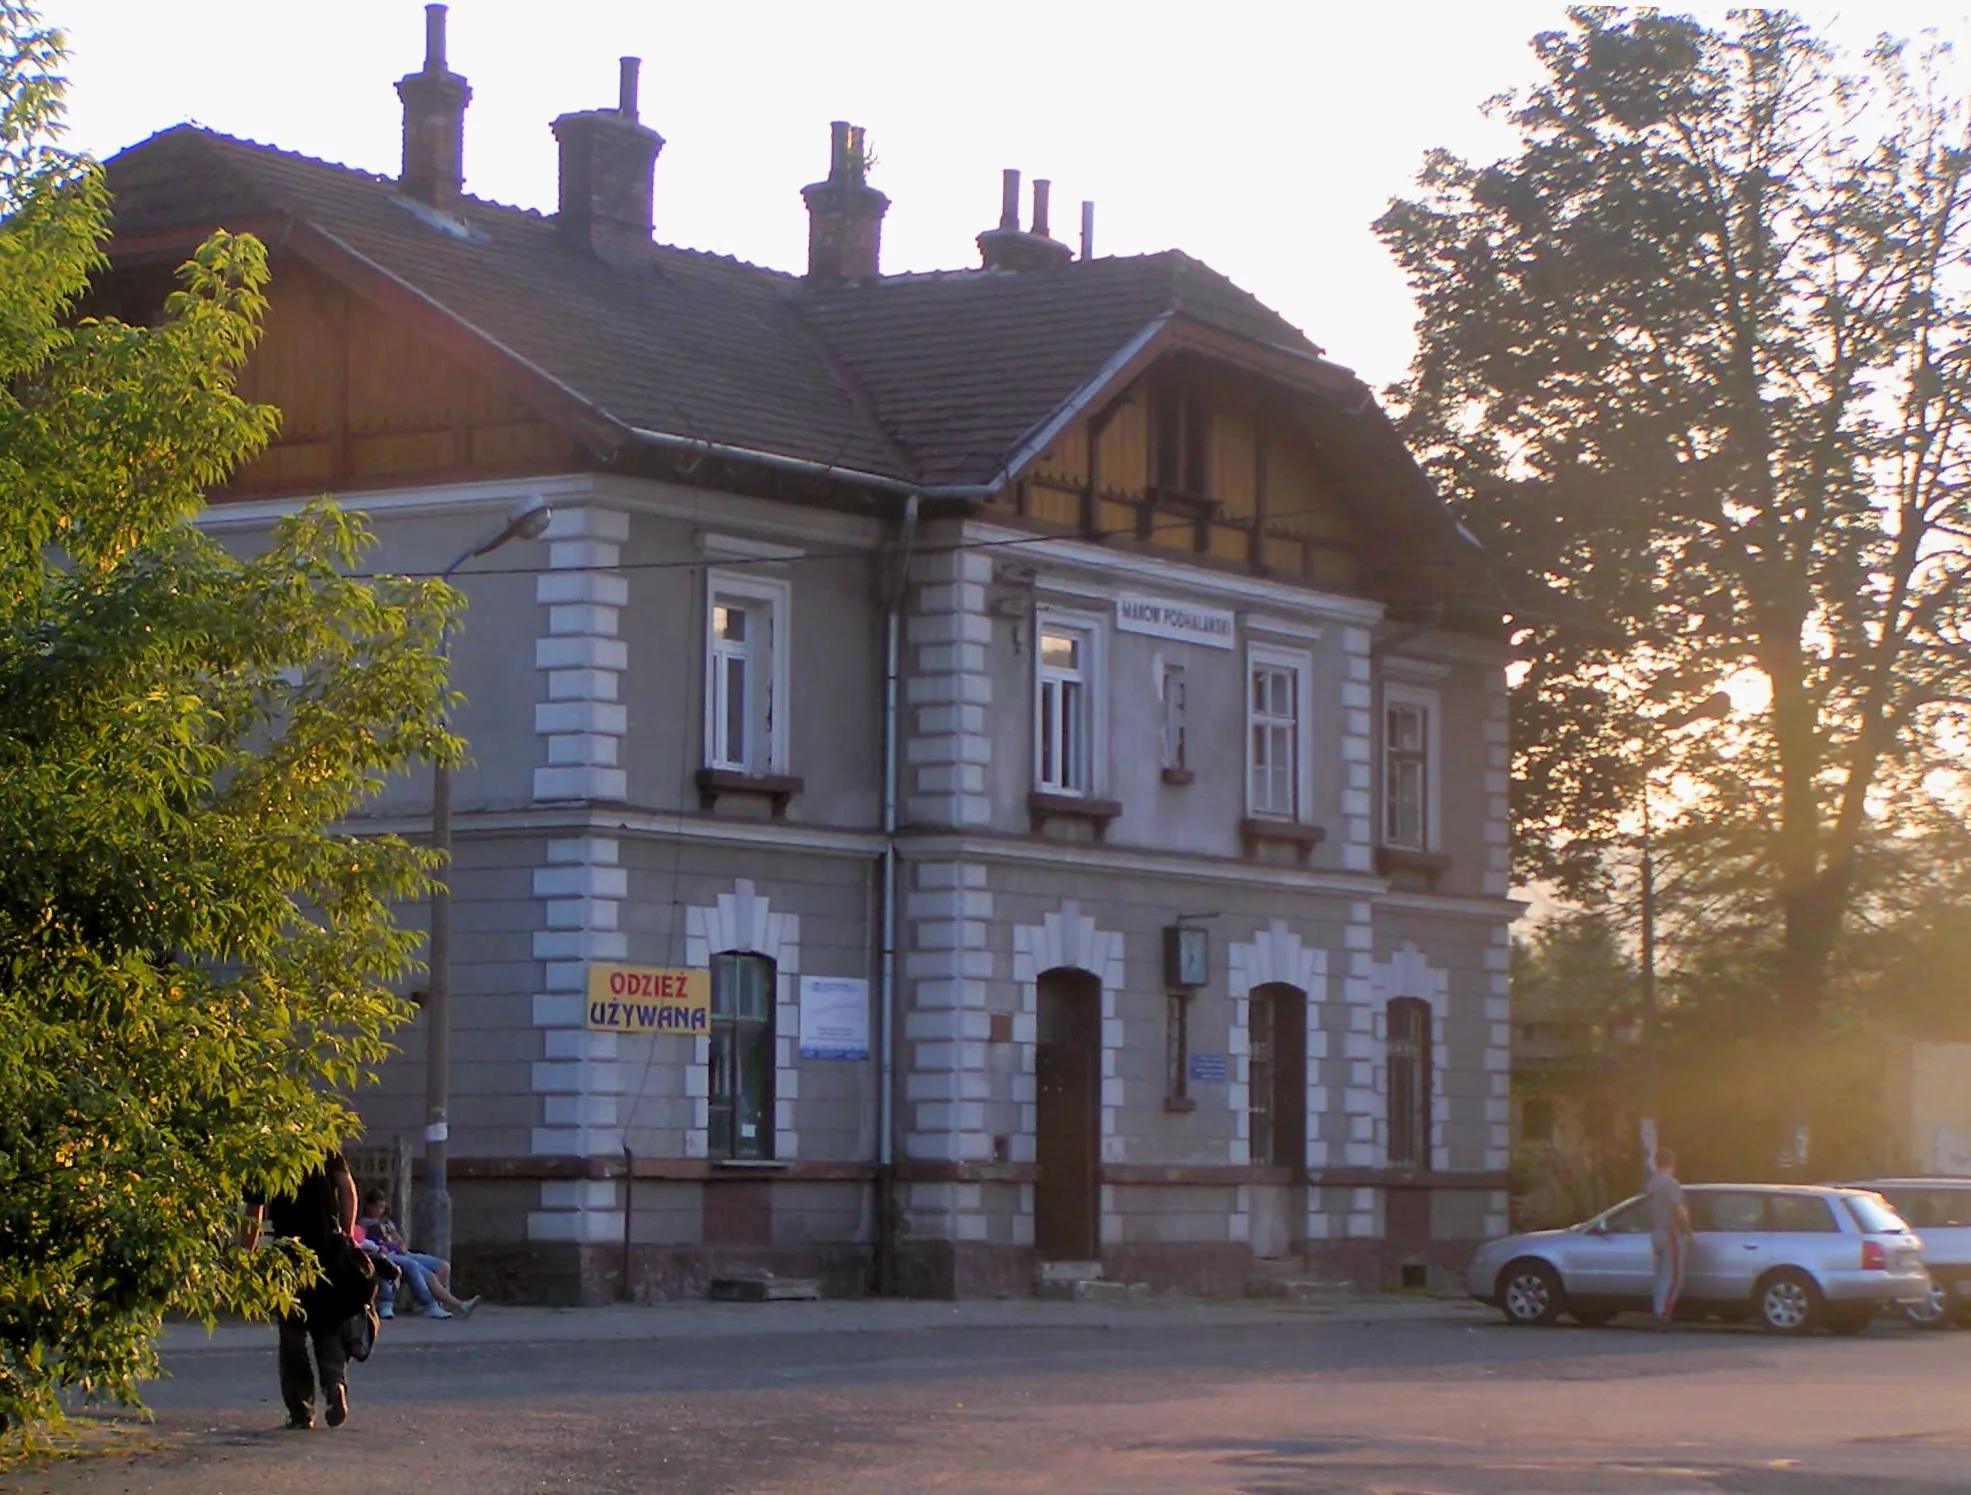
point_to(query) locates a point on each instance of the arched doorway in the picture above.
(1067, 1065)
(1276, 1038)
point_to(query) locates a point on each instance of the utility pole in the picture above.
(526, 521)
(1714, 707)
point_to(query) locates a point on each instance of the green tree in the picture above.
(1699, 354)
(192, 963)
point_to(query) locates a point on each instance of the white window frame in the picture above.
(1093, 673)
(1300, 664)
(766, 715)
(1430, 702)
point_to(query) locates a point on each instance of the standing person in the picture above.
(321, 1215)
(1669, 1234)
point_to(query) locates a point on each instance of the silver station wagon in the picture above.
(1795, 1257)
(1938, 1210)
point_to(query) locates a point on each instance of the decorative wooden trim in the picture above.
(1405, 1178)
(675, 1170)
(778, 787)
(1430, 865)
(1255, 830)
(1042, 808)
(966, 1173)
(1194, 1175)
(1222, 1176)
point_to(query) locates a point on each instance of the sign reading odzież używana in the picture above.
(649, 999)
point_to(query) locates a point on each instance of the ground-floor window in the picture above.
(1276, 1039)
(742, 1057)
(1409, 1082)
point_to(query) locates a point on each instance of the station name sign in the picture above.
(649, 999)
(1186, 622)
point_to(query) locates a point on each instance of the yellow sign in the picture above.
(649, 999)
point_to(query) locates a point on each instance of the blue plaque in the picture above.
(1210, 1069)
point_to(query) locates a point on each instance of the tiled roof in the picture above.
(700, 345)
(928, 378)
(961, 366)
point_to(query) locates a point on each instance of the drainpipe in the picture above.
(886, 1209)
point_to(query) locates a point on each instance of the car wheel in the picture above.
(1529, 1293)
(1931, 1311)
(1788, 1302)
(1591, 1318)
(1850, 1319)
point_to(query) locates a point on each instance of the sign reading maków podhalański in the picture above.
(1214, 627)
(649, 999)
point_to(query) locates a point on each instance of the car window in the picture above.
(1631, 1219)
(1723, 1210)
(1800, 1212)
(1873, 1214)
(1933, 1209)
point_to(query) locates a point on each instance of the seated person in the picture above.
(426, 1277)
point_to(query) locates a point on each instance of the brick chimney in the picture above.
(1007, 247)
(845, 214)
(608, 164)
(434, 121)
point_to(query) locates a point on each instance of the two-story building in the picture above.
(1045, 697)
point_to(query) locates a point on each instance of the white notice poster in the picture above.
(834, 1017)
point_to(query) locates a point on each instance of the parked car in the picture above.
(1939, 1211)
(1796, 1257)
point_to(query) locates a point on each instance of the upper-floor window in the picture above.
(1409, 767)
(1276, 709)
(746, 675)
(1064, 708)
(741, 1113)
(1182, 424)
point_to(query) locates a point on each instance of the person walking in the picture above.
(321, 1215)
(1669, 1234)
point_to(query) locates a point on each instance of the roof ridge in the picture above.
(469, 199)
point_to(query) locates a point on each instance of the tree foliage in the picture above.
(1699, 354)
(193, 962)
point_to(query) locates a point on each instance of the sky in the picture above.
(1263, 139)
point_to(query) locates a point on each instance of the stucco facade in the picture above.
(583, 836)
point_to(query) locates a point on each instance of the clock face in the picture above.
(1193, 956)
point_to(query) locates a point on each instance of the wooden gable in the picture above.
(1202, 461)
(368, 402)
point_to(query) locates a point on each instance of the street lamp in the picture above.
(527, 520)
(1713, 707)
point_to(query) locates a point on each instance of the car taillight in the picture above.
(1874, 1257)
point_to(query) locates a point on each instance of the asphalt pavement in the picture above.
(1397, 1397)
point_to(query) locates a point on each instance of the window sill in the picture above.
(1042, 807)
(1256, 830)
(1180, 776)
(749, 1165)
(778, 787)
(1400, 861)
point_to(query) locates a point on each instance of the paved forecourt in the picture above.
(1128, 1399)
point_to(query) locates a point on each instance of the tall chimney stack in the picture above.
(608, 169)
(1007, 247)
(434, 122)
(845, 213)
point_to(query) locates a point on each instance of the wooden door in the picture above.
(1067, 1123)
